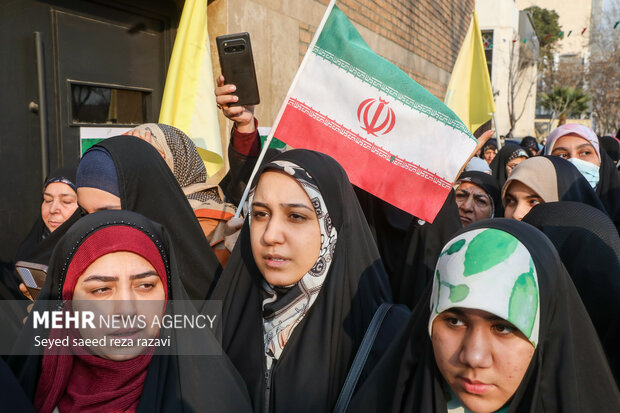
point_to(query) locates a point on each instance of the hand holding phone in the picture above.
(243, 116)
(33, 275)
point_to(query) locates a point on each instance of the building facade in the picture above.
(511, 45)
(75, 68)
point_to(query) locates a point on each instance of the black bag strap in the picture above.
(360, 358)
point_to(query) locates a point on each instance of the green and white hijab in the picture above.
(491, 270)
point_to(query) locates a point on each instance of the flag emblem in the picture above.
(376, 117)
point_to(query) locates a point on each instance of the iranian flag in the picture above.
(394, 138)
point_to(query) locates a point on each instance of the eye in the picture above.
(296, 217)
(146, 286)
(509, 201)
(585, 153)
(534, 202)
(482, 202)
(100, 291)
(504, 329)
(452, 321)
(259, 214)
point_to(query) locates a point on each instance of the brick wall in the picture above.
(432, 30)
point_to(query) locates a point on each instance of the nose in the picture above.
(125, 301)
(55, 206)
(467, 204)
(475, 351)
(274, 231)
(522, 209)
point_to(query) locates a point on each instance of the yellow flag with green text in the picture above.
(189, 100)
(470, 94)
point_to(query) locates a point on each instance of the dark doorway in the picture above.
(66, 65)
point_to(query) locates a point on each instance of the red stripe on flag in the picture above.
(421, 194)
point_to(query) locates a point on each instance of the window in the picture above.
(109, 105)
(487, 41)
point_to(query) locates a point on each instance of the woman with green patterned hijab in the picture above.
(501, 330)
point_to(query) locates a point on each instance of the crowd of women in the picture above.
(332, 300)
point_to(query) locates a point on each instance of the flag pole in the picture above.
(283, 107)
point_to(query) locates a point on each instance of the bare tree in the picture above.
(519, 79)
(603, 73)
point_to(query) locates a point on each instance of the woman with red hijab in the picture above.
(120, 263)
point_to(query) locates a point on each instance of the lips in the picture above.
(275, 260)
(126, 333)
(465, 220)
(474, 386)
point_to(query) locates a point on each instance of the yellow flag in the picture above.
(189, 100)
(470, 94)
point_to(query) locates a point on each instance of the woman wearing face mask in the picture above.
(580, 146)
(590, 250)
(118, 261)
(502, 330)
(545, 179)
(127, 172)
(302, 285)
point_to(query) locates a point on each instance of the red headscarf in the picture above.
(87, 383)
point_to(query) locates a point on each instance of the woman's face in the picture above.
(59, 203)
(284, 231)
(489, 155)
(482, 357)
(120, 285)
(519, 200)
(473, 202)
(512, 164)
(574, 146)
(93, 200)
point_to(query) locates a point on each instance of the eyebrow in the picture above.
(62, 195)
(476, 195)
(290, 205)
(580, 146)
(106, 208)
(461, 312)
(107, 278)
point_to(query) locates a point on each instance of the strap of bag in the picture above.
(360, 358)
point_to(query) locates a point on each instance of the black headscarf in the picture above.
(389, 226)
(568, 371)
(311, 370)
(608, 188)
(590, 250)
(506, 154)
(611, 146)
(488, 184)
(422, 246)
(147, 186)
(531, 144)
(173, 383)
(38, 245)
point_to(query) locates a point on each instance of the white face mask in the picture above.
(588, 170)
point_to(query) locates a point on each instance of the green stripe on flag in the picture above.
(341, 44)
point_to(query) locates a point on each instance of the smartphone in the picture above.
(33, 275)
(237, 64)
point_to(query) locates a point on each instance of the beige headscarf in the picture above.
(182, 157)
(538, 174)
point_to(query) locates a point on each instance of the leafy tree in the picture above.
(564, 102)
(548, 29)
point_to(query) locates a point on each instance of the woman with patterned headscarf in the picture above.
(502, 330)
(302, 285)
(206, 199)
